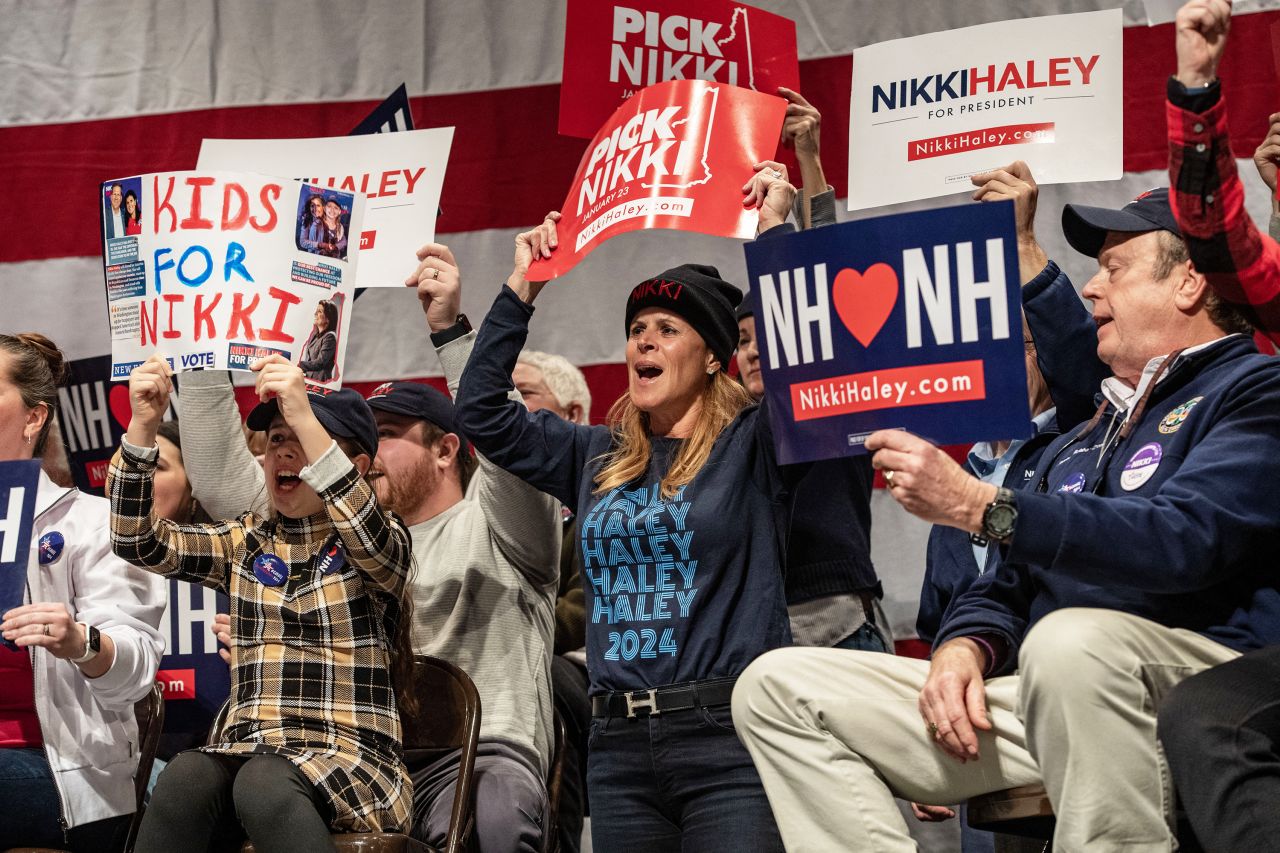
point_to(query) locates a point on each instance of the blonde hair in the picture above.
(722, 400)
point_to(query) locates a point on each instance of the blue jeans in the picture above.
(865, 639)
(32, 819)
(677, 781)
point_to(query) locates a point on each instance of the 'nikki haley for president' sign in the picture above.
(911, 321)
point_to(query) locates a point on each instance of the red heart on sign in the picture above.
(119, 402)
(864, 300)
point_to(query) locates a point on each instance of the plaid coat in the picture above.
(1240, 263)
(310, 677)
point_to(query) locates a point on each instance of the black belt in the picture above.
(868, 606)
(674, 697)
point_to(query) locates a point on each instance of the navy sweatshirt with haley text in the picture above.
(1177, 523)
(679, 589)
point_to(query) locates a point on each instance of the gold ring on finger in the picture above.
(435, 273)
(888, 481)
(46, 629)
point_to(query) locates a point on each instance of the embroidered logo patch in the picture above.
(1174, 419)
(1073, 484)
(1141, 466)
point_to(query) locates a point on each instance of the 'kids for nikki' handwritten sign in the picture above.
(910, 321)
(217, 269)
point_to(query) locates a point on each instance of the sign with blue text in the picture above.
(912, 321)
(218, 269)
(195, 680)
(933, 109)
(18, 483)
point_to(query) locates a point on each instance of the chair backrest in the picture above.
(149, 711)
(555, 774)
(448, 718)
(219, 720)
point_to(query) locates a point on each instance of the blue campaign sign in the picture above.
(390, 116)
(911, 321)
(194, 679)
(19, 481)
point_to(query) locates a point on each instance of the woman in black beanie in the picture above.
(681, 513)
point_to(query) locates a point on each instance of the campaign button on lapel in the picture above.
(50, 547)
(331, 559)
(1141, 466)
(270, 570)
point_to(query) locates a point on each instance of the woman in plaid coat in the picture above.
(312, 738)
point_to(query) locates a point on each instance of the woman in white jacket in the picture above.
(87, 643)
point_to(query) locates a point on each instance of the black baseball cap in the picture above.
(1086, 227)
(344, 414)
(416, 400)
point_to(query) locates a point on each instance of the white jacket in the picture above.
(89, 730)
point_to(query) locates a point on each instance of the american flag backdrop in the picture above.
(100, 89)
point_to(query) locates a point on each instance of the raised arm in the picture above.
(225, 478)
(545, 451)
(1241, 264)
(195, 553)
(1065, 336)
(814, 205)
(524, 521)
(376, 542)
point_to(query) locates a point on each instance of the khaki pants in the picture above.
(837, 734)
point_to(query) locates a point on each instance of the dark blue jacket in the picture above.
(676, 589)
(1066, 345)
(1067, 353)
(1176, 523)
(829, 545)
(949, 568)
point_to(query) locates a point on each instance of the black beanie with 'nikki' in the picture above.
(699, 295)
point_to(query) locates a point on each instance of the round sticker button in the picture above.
(50, 547)
(270, 570)
(331, 559)
(1141, 466)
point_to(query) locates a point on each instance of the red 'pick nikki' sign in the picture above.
(673, 156)
(614, 49)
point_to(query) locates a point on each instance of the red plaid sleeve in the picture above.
(1241, 264)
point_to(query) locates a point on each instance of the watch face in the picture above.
(94, 639)
(1000, 519)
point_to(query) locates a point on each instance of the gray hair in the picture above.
(565, 381)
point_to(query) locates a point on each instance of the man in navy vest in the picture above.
(1139, 554)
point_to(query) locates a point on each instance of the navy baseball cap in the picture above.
(416, 400)
(1086, 227)
(344, 414)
